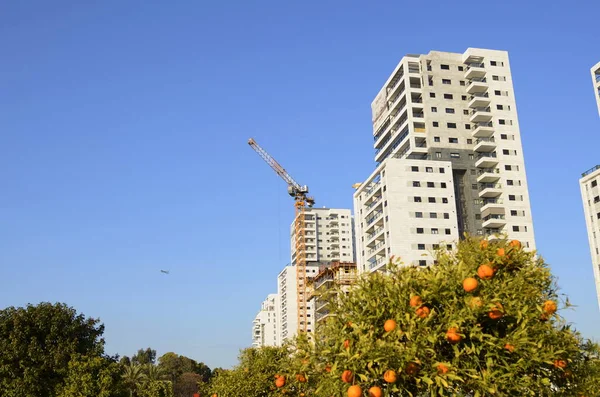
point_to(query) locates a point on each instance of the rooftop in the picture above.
(591, 170)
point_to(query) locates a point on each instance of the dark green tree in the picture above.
(38, 342)
(187, 384)
(92, 377)
(144, 356)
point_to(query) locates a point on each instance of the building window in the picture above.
(507, 167)
(499, 107)
(434, 231)
(469, 141)
(512, 197)
(441, 169)
(428, 169)
(594, 183)
(446, 81)
(450, 110)
(444, 200)
(416, 184)
(513, 212)
(452, 140)
(432, 95)
(445, 67)
(466, 112)
(473, 171)
(448, 96)
(430, 184)
(468, 126)
(443, 184)
(471, 156)
(451, 125)
(419, 230)
(431, 199)
(503, 136)
(505, 152)
(460, 68)
(497, 92)
(448, 247)
(448, 231)
(436, 124)
(502, 122)
(436, 138)
(414, 168)
(421, 246)
(422, 262)
(434, 215)
(438, 155)
(417, 199)
(462, 82)
(516, 228)
(464, 97)
(446, 215)
(434, 109)
(509, 182)
(493, 63)
(478, 216)
(418, 215)
(474, 186)
(454, 155)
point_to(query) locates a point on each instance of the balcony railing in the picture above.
(374, 217)
(591, 170)
(419, 114)
(475, 65)
(480, 95)
(415, 85)
(488, 170)
(493, 216)
(485, 124)
(493, 201)
(373, 203)
(485, 140)
(478, 80)
(483, 186)
(475, 110)
(482, 155)
(374, 233)
(372, 189)
(376, 263)
(379, 245)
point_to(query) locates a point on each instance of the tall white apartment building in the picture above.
(449, 159)
(288, 302)
(596, 80)
(265, 327)
(590, 193)
(329, 235)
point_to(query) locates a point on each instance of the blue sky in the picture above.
(123, 151)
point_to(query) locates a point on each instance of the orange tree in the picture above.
(482, 321)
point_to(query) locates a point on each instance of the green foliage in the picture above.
(187, 384)
(134, 376)
(155, 388)
(501, 339)
(91, 377)
(144, 356)
(38, 342)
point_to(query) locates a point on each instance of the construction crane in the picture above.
(301, 201)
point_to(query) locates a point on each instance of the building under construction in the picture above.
(331, 279)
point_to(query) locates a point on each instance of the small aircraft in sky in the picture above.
(164, 271)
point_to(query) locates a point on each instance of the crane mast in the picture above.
(301, 202)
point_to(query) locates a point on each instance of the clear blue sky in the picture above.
(123, 150)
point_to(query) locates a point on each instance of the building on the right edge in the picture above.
(596, 80)
(449, 159)
(590, 193)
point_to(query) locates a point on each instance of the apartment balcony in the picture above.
(477, 84)
(488, 175)
(479, 100)
(334, 231)
(494, 221)
(483, 130)
(475, 70)
(374, 201)
(490, 190)
(377, 215)
(492, 205)
(480, 115)
(486, 160)
(485, 145)
(376, 187)
(375, 233)
(379, 248)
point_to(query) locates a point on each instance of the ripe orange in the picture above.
(328, 368)
(389, 325)
(415, 301)
(354, 391)
(346, 344)
(412, 368)
(442, 369)
(515, 244)
(390, 376)
(375, 391)
(560, 363)
(280, 382)
(483, 244)
(549, 307)
(485, 272)
(347, 376)
(500, 252)
(453, 336)
(509, 347)
(497, 312)
(470, 284)
(423, 312)
(301, 378)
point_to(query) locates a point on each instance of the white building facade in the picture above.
(265, 327)
(590, 193)
(451, 112)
